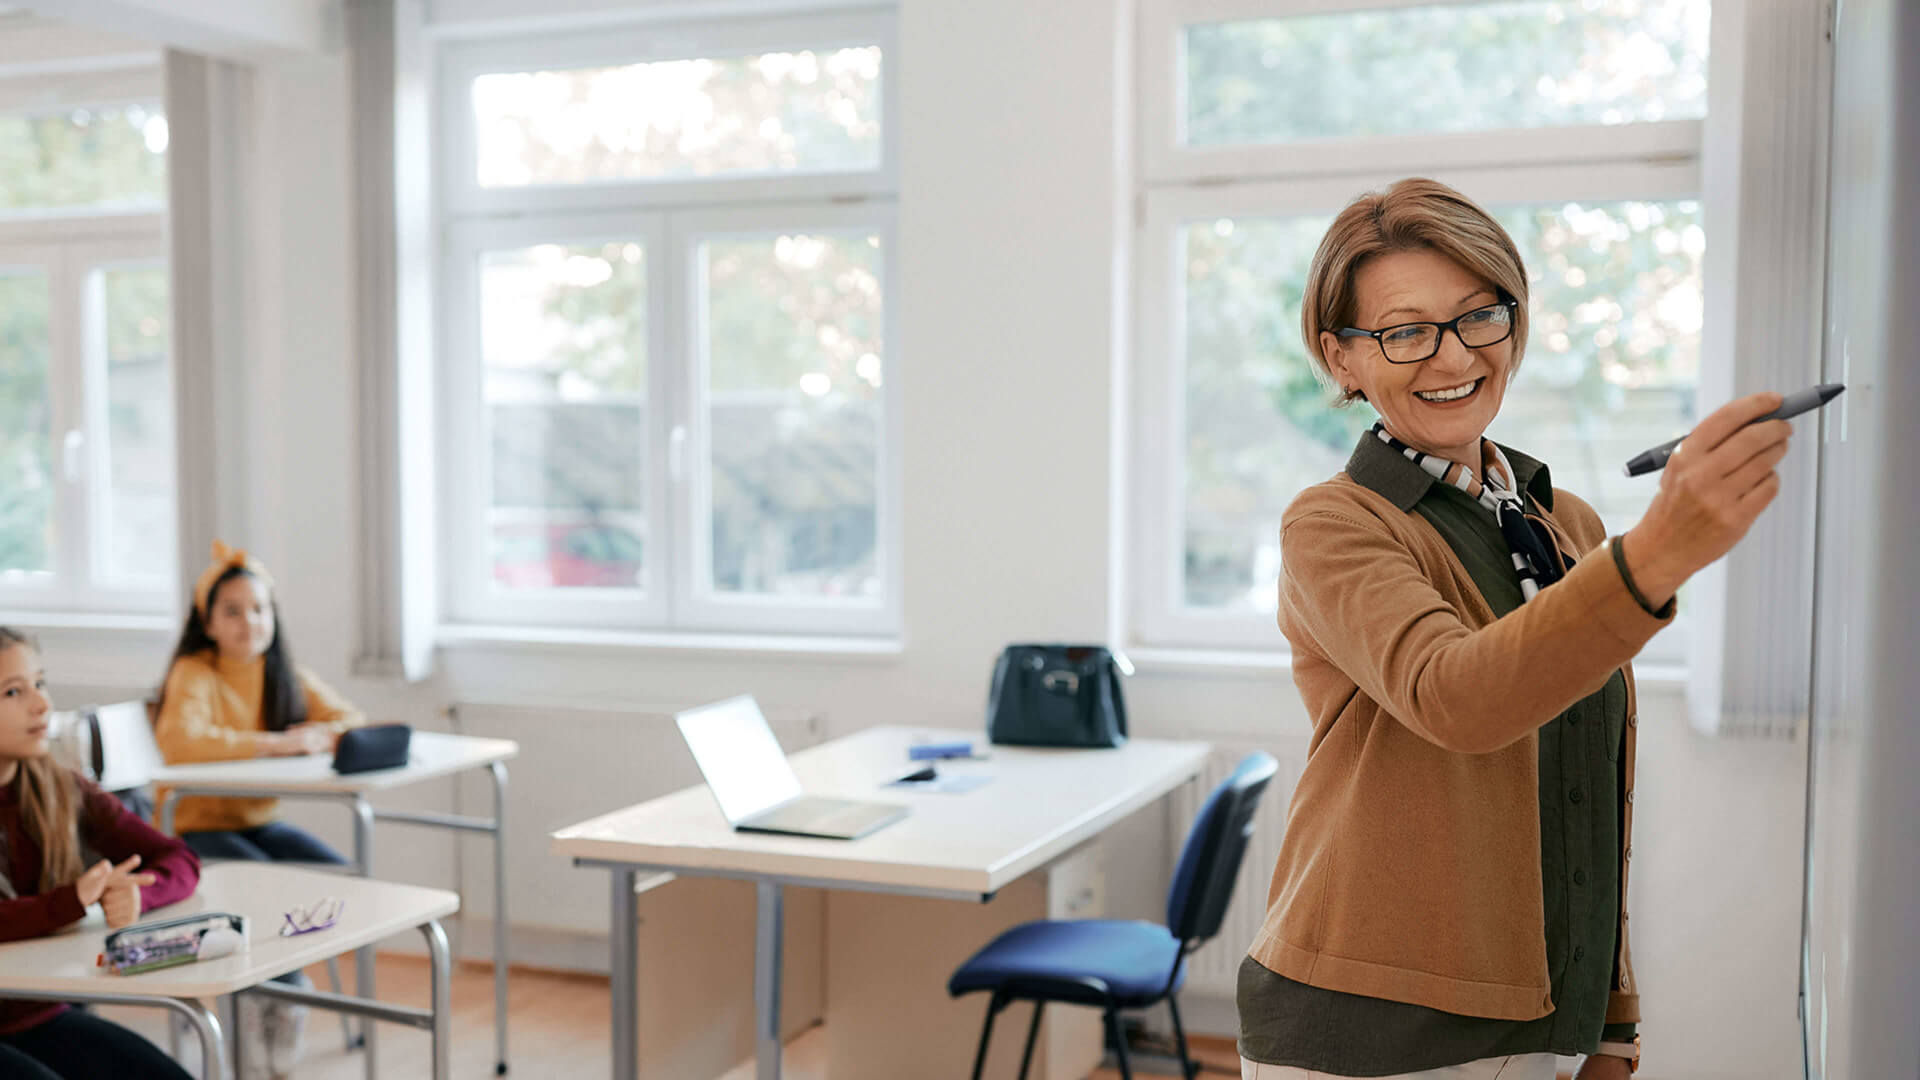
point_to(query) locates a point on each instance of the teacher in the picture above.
(1449, 900)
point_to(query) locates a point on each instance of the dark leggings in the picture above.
(80, 1046)
(275, 841)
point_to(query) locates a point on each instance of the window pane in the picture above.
(677, 119)
(26, 439)
(1454, 67)
(94, 157)
(1258, 428)
(563, 333)
(137, 544)
(1611, 368)
(1613, 356)
(793, 381)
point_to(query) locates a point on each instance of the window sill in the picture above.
(476, 638)
(1230, 663)
(1663, 674)
(100, 622)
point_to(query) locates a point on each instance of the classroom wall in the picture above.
(1013, 233)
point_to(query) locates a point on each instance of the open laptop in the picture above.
(756, 788)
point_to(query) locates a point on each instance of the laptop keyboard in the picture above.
(814, 812)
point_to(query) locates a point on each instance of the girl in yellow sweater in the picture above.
(232, 692)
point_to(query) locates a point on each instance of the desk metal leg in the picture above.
(768, 926)
(363, 958)
(442, 984)
(232, 1007)
(624, 937)
(207, 1026)
(499, 771)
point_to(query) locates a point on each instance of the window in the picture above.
(1576, 122)
(667, 347)
(86, 404)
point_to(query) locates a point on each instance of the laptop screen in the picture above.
(737, 753)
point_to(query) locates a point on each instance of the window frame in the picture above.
(669, 218)
(1166, 159)
(1178, 185)
(68, 250)
(465, 491)
(460, 62)
(698, 606)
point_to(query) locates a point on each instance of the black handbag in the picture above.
(364, 749)
(1058, 695)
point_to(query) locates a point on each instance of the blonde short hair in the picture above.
(1411, 215)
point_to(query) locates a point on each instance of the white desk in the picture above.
(432, 755)
(61, 967)
(1039, 805)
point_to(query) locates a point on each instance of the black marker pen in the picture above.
(1805, 400)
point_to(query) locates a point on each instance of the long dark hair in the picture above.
(282, 705)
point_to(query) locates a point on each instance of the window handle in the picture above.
(677, 453)
(72, 447)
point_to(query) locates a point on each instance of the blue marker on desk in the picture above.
(1792, 405)
(939, 751)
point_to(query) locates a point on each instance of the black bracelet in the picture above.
(1620, 561)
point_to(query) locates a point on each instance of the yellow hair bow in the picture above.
(224, 559)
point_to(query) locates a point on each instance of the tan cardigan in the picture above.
(1410, 869)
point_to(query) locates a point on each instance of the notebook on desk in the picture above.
(756, 788)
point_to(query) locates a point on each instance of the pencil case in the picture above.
(155, 945)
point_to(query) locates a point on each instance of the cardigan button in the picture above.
(1576, 796)
(1579, 877)
(1579, 953)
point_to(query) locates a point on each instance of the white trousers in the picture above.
(1517, 1067)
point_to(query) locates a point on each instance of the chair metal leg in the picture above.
(986, 1034)
(1187, 1068)
(346, 1022)
(1033, 1032)
(1119, 1043)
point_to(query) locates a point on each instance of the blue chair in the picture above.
(1110, 964)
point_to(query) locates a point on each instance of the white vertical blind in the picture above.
(388, 63)
(1765, 179)
(208, 106)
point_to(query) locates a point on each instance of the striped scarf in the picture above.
(1533, 556)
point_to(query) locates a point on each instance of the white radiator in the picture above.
(576, 764)
(1214, 968)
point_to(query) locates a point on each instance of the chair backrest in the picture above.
(1210, 861)
(112, 745)
(70, 741)
(128, 755)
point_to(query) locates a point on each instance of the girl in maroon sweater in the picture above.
(52, 822)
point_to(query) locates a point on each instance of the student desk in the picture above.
(432, 755)
(1038, 805)
(61, 967)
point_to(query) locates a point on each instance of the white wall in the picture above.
(1013, 220)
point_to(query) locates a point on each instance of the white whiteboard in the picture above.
(1861, 961)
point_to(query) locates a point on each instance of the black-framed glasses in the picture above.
(1410, 343)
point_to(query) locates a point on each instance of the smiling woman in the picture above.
(1446, 376)
(1449, 895)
